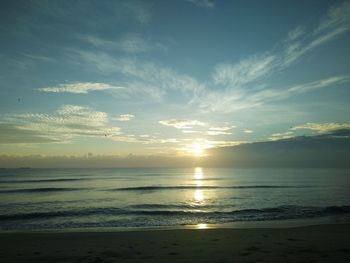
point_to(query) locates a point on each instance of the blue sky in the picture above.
(169, 77)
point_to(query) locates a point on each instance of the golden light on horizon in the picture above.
(198, 148)
(202, 226)
(198, 173)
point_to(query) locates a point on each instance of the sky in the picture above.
(169, 78)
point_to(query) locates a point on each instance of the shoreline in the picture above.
(320, 243)
(261, 224)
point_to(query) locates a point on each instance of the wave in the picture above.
(272, 213)
(174, 206)
(39, 190)
(184, 187)
(43, 180)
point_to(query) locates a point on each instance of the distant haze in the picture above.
(328, 150)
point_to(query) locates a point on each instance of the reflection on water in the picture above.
(198, 196)
(198, 193)
(198, 173)
(199, 183)
(58, 199)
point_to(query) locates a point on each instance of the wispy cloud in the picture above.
(215, 133)
(182, 124)
(124, 117)
(142, 77)
(80, 88)
(140, 10)
(245, 71)
(244, 84)
(295, 33)
(65, 124)
(130, 43)
(282, 135)
(322, 127)
(335, 23)
(236, 99)
(202, 3)
(224, 128)
(279, 94)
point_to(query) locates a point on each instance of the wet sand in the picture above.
(323, 243)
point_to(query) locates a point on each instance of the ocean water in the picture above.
(58, 199)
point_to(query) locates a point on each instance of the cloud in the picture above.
(305, 151)
(12, 134)
(65, 124)
(325, 150)
(186, 126)
(192, 131)
(214, 133)
(182, 124)
(248, 131)
(282, 135)
(130, 43)
(140, 10)
(338, 17)
(134, 43)
(335, 23)
(323, 127)
(124, 117)
(218, 144)
(233, 85)
(295, 33)
(202, 3)
(245, 71)
(80, 88)
(279, 94)
(148, 78)
(224, 128)
(244, 84)
(232, 100)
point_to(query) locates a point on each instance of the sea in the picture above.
(80, 199)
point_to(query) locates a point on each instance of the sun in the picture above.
(197, 149)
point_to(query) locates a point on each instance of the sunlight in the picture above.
(198, 196)
(198, 173)
(202, 226)
(198, 148)
(199, 183)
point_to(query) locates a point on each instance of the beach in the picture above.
(320, 243)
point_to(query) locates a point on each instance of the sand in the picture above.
(323, 243)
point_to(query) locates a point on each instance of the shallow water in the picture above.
(34, 199)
